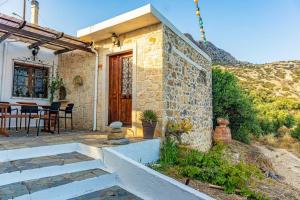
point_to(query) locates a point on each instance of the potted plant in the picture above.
(55, 84)
(178, 127)
(149, 121)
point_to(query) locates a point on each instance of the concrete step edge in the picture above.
(19, 176)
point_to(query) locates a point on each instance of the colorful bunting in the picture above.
(201, 24)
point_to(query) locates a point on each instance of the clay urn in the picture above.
(222, 133)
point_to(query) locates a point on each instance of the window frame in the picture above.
(31, 87)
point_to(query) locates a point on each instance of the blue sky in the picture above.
(258, 31)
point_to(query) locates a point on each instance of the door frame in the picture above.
(104, 90)
(119, 106)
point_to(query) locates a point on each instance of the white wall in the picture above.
(11, 51)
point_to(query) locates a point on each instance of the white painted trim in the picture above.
(142, 152)
(95, 103)
(105, 81)
(19, 176)
(4, 53)
(74, 189)
(145, 182)
(115, 20)
(147, 9)
(182, 55)
(33, 152)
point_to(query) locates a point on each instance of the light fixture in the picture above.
(115, 40)
(35, 51)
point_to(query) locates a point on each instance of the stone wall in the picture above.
(78, 63)
(146, 45)
(187, 88)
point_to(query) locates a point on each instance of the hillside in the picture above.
(275, 79)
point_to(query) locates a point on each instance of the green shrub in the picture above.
(213, 168)
(229, 99)
(169, 152)
(296, 132)
(149, 116)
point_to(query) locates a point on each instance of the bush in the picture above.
(213, 168)
(231, 101)
(296, 132)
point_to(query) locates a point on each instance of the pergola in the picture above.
(37, 36)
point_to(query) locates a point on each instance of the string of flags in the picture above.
(201, 24)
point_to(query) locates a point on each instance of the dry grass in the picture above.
(284, 142)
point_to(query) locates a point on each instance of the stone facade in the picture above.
(166, 78)
(146, 46)
(187, 88)
(78, 63)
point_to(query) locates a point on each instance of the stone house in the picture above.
(142, 62)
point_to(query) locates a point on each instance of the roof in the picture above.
(130, 21)
(37, 36)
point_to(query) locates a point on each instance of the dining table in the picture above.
(4, 115)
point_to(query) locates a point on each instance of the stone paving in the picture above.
(27, 187)
(19, 140)
(113, 193)
(45, 161)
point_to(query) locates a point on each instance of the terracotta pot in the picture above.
(222, 122)
(148, 129)
(222, 135)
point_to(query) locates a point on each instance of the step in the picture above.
(112, 193)
(66, 185)
(44, 161)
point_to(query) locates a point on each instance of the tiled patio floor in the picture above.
(20, 140)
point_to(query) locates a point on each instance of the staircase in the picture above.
(80, 172)
(62, 176)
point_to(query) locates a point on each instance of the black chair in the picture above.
(9, 111)
(68, 114)
(27, 109)
(49, 114)
(33, 113)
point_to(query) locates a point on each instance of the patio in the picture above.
(20, 140)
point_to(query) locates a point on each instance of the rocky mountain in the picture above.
(218, 56)
(275, 79)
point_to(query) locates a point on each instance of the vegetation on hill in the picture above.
(212, 167)
(275, 93)
(230, 101)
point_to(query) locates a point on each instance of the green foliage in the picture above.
(149, 116)
(229, 99)
(177, 127)
(275, 113)
(169, 152)
(211, 167)
(296, 132)
(55, 84)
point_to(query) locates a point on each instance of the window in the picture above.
(30, 81)
(127, 76)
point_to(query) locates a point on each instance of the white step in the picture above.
(19, 176)
(74, 189)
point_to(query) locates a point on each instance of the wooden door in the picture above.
(120, 88)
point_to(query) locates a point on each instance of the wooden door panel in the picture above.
(120, 82)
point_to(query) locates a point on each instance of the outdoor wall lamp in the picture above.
(115, 40)
(35, 52)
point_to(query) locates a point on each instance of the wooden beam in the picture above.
(7, 35)
(62, 51)
(42, 42)
(43, 37)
